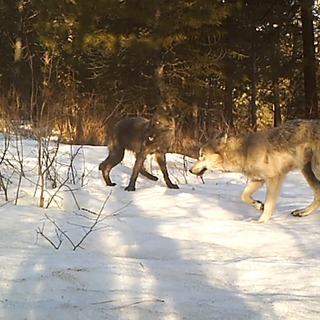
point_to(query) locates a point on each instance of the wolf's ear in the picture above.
(220, 138)
(224, 138)
(218, 142)
(162, 109)
(165, 106)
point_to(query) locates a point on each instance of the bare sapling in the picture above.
(47, 149)
(4, 180)
(71, 177)
(95, 219)
(18, 146)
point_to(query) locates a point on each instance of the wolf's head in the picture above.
(161, 126)
(162, 119)
(210, 156)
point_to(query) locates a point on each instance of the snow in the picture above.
(191, 253)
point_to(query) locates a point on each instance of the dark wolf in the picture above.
(267, 157)
(143, 137)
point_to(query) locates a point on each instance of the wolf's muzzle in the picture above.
(198, 173)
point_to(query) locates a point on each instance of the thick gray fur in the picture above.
(267, 157)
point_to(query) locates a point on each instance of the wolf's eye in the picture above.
(157, 122)
(201, 156)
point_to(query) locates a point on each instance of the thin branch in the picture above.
(87, 230)
(61, 231)
(127, 305)
(137, 302)
(97, 220)
(40, 231)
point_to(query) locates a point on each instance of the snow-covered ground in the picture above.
(191, 253)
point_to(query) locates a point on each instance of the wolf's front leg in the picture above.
(273, 189)
(161, 159)
(148, 175)
(246, 195)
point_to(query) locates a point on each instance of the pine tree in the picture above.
(309, 60)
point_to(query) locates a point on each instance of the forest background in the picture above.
(77, 66)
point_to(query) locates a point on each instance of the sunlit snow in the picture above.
(191, 253)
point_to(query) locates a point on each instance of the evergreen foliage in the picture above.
(219, 64)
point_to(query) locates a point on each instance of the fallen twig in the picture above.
(129, 304)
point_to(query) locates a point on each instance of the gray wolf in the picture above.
(267, 157)
(143, 137)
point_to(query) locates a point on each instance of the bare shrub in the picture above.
(94, 218)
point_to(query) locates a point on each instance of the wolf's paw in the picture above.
(111, 184)
(256, 221)
(258, 205)
(263, 218)
(130, 188)
(173, 186)
(300, 213)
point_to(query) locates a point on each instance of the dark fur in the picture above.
(143, 137)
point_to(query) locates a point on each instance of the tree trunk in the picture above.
(18, 51)
(195, 117)
(275, 84)
(228, 112)
(159, 70)
(160, 86)
(253, 84)
(309, 60)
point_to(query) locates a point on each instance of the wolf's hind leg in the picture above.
(115, 157)
(148, 175)
(140, 157)
(251, 188)
(314, 184)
